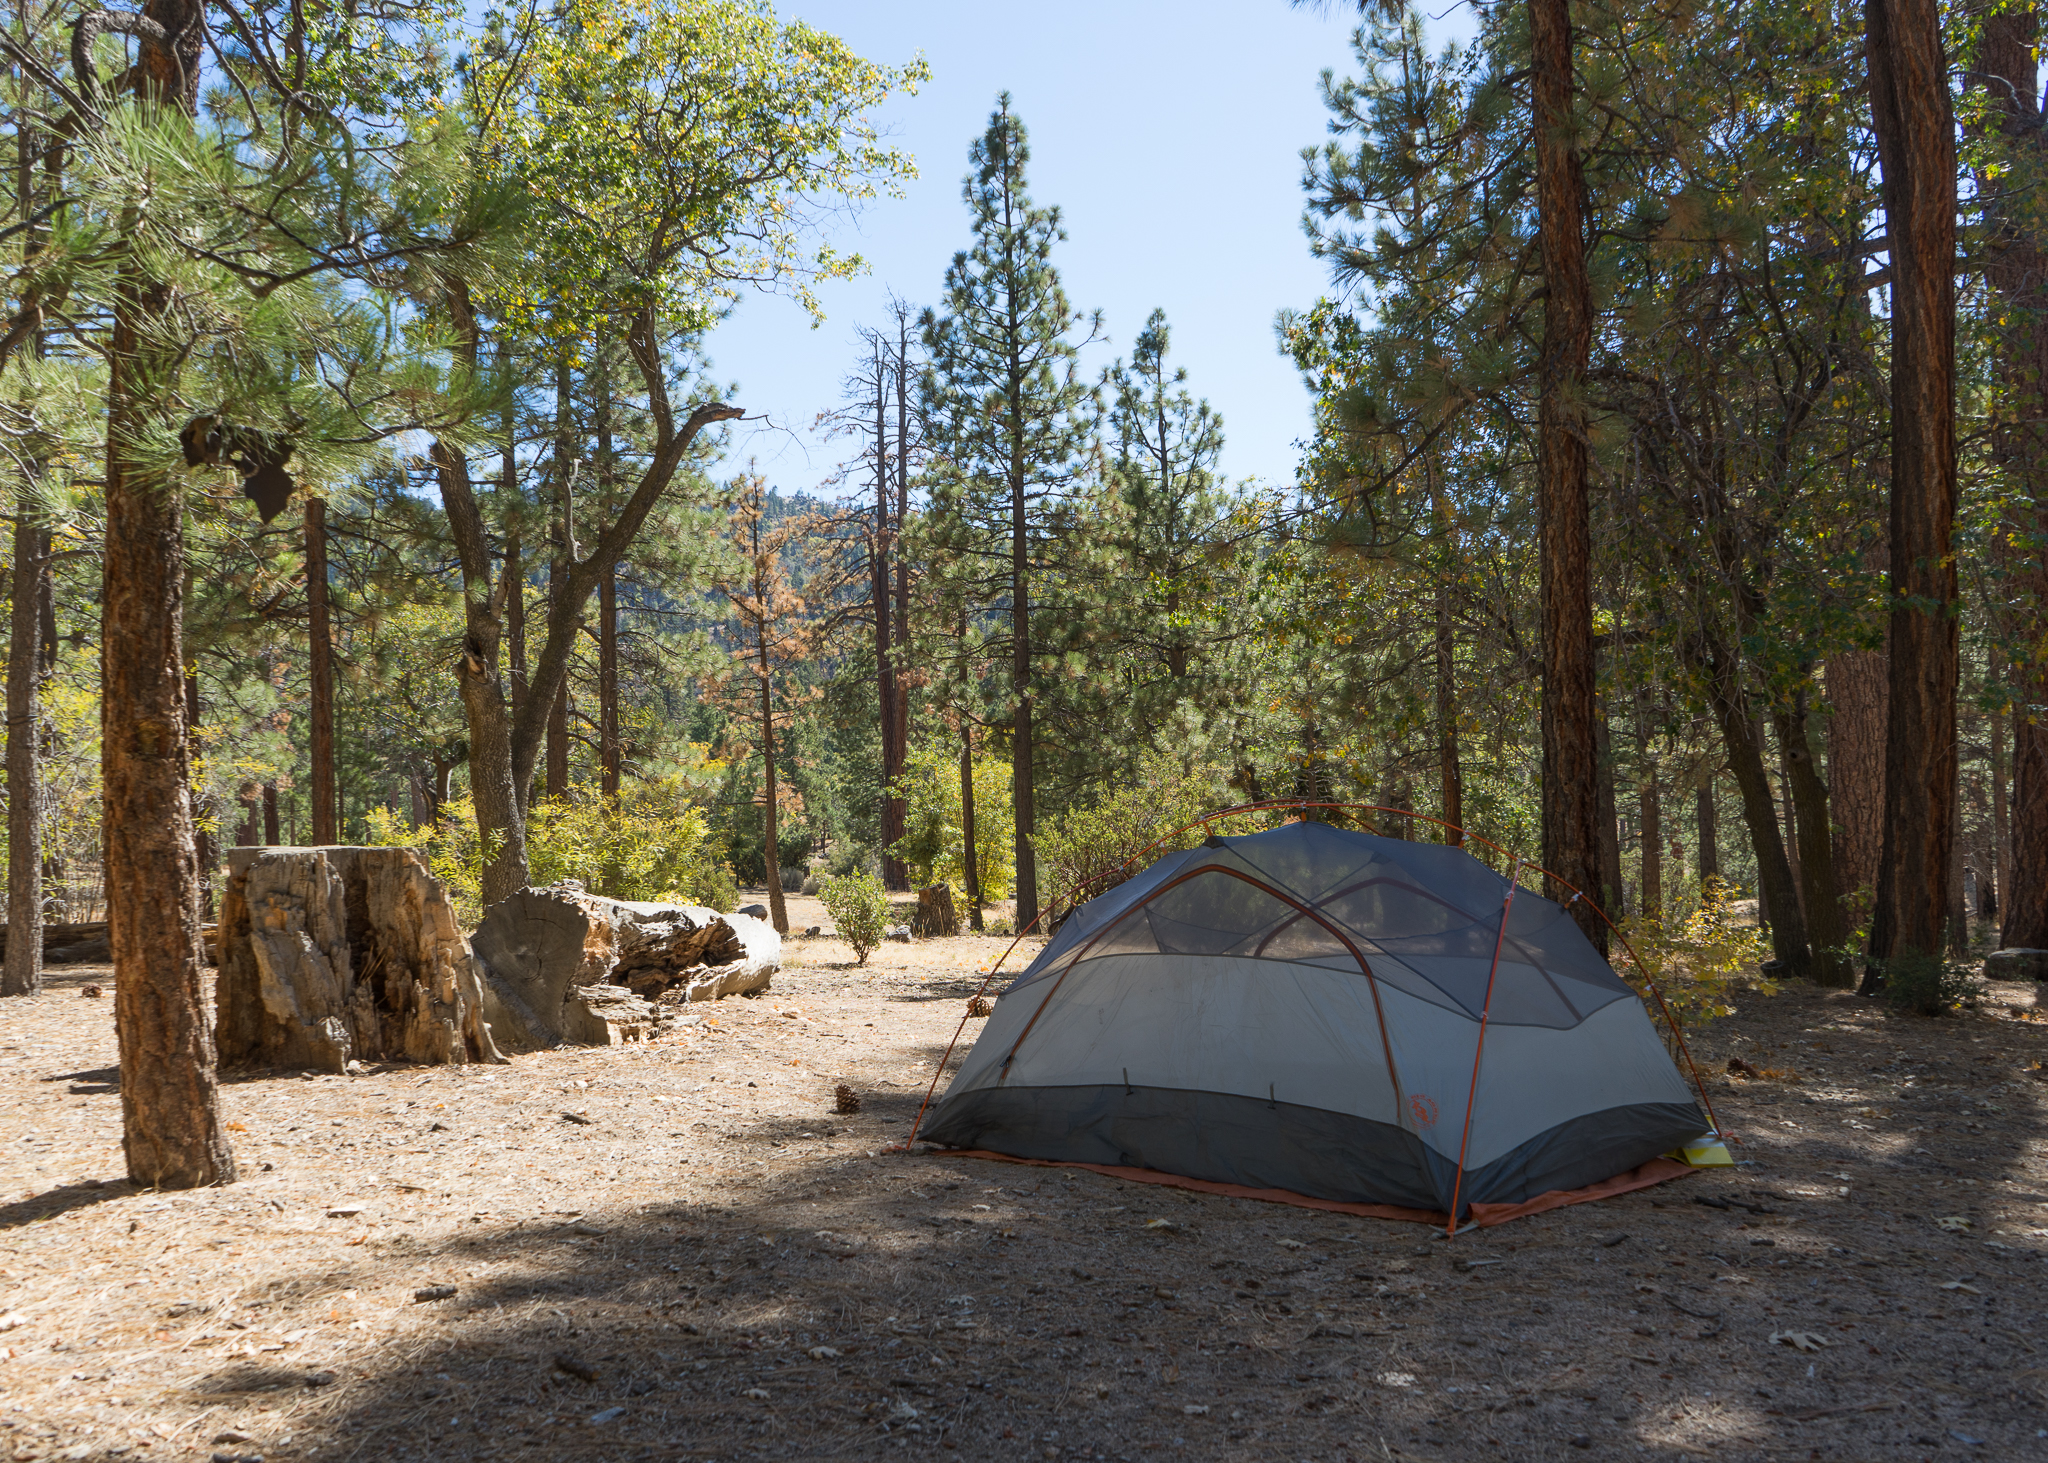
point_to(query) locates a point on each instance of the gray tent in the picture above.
(1300, 1009)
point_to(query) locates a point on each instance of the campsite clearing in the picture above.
(680, 1250)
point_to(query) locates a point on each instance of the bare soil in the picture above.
(679, 1250)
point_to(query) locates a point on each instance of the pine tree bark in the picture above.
(1706, 820)
(270, 828)
(1650, 815)
(2001, 869)
(515, 630)
(899, 811)
(1914, 123)
(1571, 795)
(320, 675)
(1827, 928)
(202, 841)
(895, 874)
(608, 684)
(21, 974)
(564, 534)
(1742, 739)
(1450, 776)
(1613, 899)
(1857, 682)
(610, 755)
(1022, 784)
(171, 1129)
(968, 855)
(770, 813)
(2017, 269)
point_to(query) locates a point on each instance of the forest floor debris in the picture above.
(429, 1263)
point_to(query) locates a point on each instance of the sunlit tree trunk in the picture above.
(320, 675)
(22, 973)
(171, 1131)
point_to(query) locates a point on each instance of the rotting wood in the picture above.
(337, 954)
(561, 964)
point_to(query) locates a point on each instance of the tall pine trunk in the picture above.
(22, 972)
(1827, 928)
(1571, 772)
(320, 674)
(895, 875)
(171, 1131)
(610, 755)
(898, 810)
(1450, 776)
(2017, 268)
(1914, 123)
(2001, 869)
(1742, 740)
(608, 684)
(1650, 817)
(969, 857)
(564, 533)
(1856, 690)
(202, 841)
(1613, 899)
(1706, 822)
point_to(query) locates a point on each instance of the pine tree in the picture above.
(1010, 426)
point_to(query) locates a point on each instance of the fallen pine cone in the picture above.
(92, 990)
(1739, 1068)
(980, 1006)
(581, 1370)
(845, 1099)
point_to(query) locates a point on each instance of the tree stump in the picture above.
(332, 955)
(935, 915)
(564, 965)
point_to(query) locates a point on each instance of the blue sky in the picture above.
(1169, 135)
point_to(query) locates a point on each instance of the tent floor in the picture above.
(1484, 1216)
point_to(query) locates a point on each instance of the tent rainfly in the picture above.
(1339, 1015)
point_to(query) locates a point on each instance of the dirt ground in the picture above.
(679, 1250)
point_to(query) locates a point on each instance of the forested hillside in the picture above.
(1673, 516)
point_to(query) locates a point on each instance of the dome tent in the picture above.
(1330, 1013)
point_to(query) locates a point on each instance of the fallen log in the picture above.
(73, 944)
(335, 954)
(563, 965)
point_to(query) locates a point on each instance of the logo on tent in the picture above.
(1424, 1109)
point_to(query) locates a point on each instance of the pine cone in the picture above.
(847, 1099)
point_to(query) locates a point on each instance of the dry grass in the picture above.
(716, 1247)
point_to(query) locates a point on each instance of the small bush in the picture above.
(1699, 963)
(859, 906)
(1088, 851)
(651, 844)
(934, 841)
(1928, 985)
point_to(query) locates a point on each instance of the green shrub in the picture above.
(1088, 851)
(650, 844)
(934, 842)
(1928, 985)
(859, 907)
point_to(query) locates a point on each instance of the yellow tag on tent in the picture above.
(1705, 1151)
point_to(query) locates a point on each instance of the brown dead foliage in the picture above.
(681, 1250)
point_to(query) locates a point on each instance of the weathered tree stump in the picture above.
(334, 954)
(935, 915)
(565, 965)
